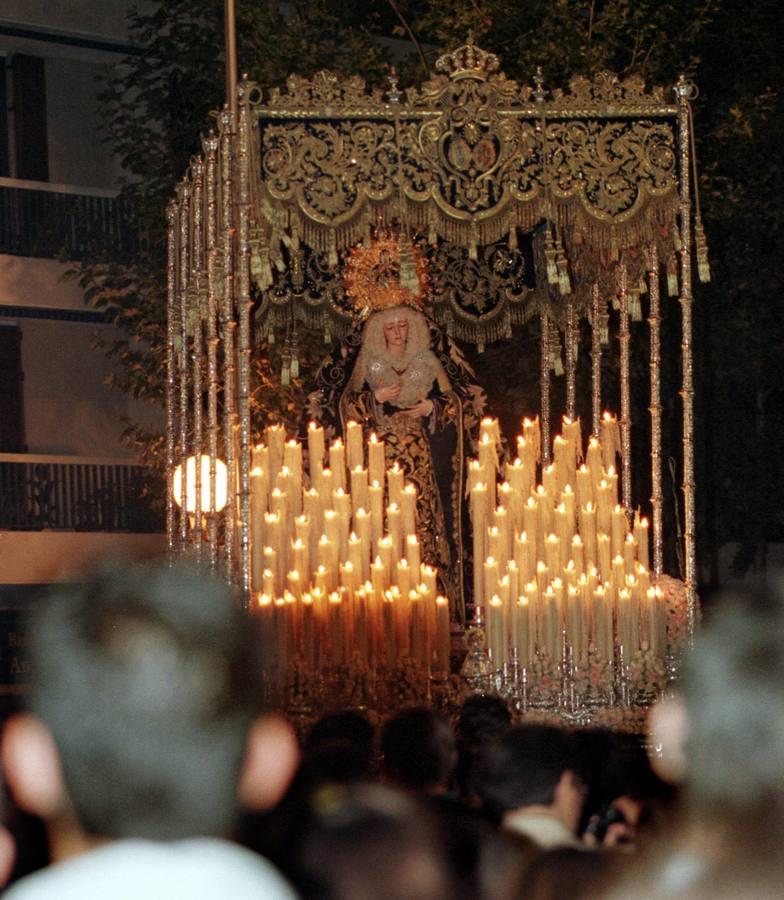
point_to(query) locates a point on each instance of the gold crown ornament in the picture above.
(392, 271)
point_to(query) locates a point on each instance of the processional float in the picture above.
(568, 209)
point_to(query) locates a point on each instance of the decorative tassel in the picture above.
(512, 234)
(408, 273)
(672, 277)
(297, 274)
(270, 335)
(549, 255)
(604, 329)
(480, 347)
(556, 363)
(432, 226)
(635, 310)
(564, 284)
(701, 247)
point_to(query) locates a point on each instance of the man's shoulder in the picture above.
(196, 868)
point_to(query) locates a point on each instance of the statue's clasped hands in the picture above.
(389, 394)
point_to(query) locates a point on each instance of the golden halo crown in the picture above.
(392, 271)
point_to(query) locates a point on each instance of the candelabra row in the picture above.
(335, 560)
(556, 562)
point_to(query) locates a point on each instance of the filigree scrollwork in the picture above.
(613, 167)
(607, 92)
(326, 90)
(469, 159)
(330, 169)
(477, 299)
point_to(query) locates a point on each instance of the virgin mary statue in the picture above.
(399, 375)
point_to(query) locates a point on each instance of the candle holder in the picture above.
(477, 671)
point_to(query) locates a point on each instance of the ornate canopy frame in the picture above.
(530, 203)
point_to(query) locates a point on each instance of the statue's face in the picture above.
(396, 333)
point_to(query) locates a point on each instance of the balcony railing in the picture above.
(60, 221)
(75, 494)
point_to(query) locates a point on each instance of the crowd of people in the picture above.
(143, 766)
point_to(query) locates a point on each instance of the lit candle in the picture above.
(442, 644)
(478, 521)
(604, 507)
(578, 555)
(378, 576)
(584, 486)
(490, 584)
(355, 556)
(610, 439)
(594, 461)
(355, 453)
(395, 483)
(604, 557)
(292, 460)
(618, 532)
(275, 435)
(531, 525)
(488, 457)
(337, 464)
(376, 463)
(641, 537)
(412, 552)
(489, 426)
(337, 630)
(362, 524)
(260, 457)
(294, 583)
(629, 552)
(386, 553)
(575, 623)
(552, 553)
(273, 535)
(394, 529)
(534, 619)
(309, 632)
(501, 522)
(550, 481)
(315, 453)
(258, 507)
(552, 630)
(524, 556)
(376, 495)
(342, 504)
(522, 631)
(495, 546)
(408, 509)
(360, 496)
(533, 436)
(588, 532)
(496, 632)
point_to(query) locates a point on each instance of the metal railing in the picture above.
(63, 222)
(76, 494)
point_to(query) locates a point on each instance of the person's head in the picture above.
(418, 748)
(369, 841)
(395, 329)
(142, 709)
(480, 719)
(396, 332)
(734, 692)
(530, 765)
